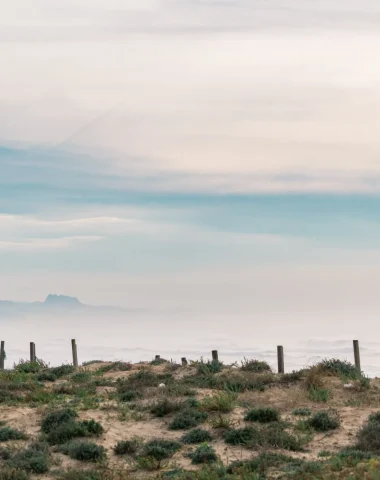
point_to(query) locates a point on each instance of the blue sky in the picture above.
(163, 149)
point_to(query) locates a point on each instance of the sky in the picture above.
(205, 155)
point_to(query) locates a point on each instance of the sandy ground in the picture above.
(284, 398)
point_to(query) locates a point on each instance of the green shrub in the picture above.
(5, 453)
(223, 402)
(307, 468)
(72, 429)
(87, 474)
(302, 412)
(262, 415)
(129, 396)
(62, 370)
(8, 397)
(8, 433)
(275, 436)
(115, 367)
(160, 449)
(81, 377)
(238, 383)
(319, 394)
(46, 376)
(272, 436)
(303, 426)
(187, 418)
(324, 453)
(353, 455)
(256, 366)
(221, 422)
(127, 447)
(209, 367)
(196, 436)
(66, 432)
(142, 378)
(34, 459)
(294, 376)
(84, 451)
(92, 427)
(261, 463)
(158, 361)
(25, 366)
(368, 437)
(165, 407)
(324, 421)
(193, 403)
(12, 474)
(374, 417)
(53, 419)
(338, 367)
(203, 454)
(242, 436)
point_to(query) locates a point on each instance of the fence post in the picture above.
(357, 355)
(184, 361)
(75, 353)
(215, 357)
(32, 352)
(2, 355)
(280, 359)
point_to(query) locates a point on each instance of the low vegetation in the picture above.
(262, 415)
(205, 413)
(196, 436)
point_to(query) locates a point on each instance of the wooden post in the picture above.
(357, 355)
(184, 361)
(2, 355)
(75, 353)
(280, 359)
(215, 357)
(32, 353)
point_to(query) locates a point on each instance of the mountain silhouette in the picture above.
(52, 303)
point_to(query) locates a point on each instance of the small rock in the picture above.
(161, 385)
(348, 385)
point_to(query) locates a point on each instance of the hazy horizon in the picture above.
(217, 160)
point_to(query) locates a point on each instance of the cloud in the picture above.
(33, 244)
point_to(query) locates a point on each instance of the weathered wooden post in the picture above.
(280, 359)
(32, 352)
(184, 361)
(215, 357)
(357, 355)
(75, 353)
(2, 355)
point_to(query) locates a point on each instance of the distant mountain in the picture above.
(52, 303)
(62, 301)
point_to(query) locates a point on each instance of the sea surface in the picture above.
(140, 335)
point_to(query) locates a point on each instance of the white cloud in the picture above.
(31, 244)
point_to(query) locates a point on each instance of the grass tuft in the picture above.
(223, 402)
